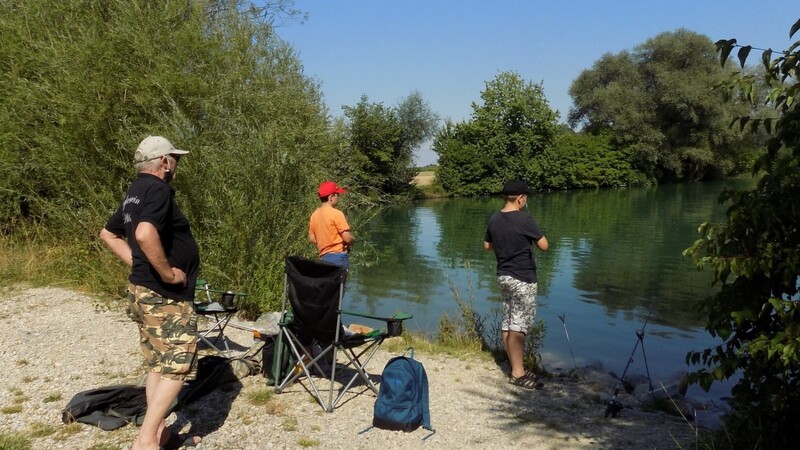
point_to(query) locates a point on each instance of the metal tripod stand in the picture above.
(614, 405)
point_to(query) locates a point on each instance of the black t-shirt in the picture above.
(150, 199)
(512, 234)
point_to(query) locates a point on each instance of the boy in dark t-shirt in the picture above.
(510, 233)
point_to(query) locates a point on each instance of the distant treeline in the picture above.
(645, 116)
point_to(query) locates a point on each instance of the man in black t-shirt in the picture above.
(151, 234)
(510, 233)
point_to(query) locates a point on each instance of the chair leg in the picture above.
(218, 330)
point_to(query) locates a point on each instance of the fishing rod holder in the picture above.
(614, 406)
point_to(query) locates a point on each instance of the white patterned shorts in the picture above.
(519, 303)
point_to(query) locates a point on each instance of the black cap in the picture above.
(515, 187)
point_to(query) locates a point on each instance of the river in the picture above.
(614, 261)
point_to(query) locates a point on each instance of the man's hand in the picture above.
(178, 277)
(150, 243)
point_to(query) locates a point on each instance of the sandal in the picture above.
(527, 381)
(179, 440)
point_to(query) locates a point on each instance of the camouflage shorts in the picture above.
(519, 303)
(167, 333)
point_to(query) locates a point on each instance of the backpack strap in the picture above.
(426, 411)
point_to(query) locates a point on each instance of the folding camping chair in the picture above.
(218, 313)
(314, 289)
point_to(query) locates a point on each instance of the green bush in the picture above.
(755, 255)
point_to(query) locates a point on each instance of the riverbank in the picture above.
(59, 342)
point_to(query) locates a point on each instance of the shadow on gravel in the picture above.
(206, 402)
(571, 411)
(343, 376)
(209, 413)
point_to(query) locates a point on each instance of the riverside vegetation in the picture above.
(216, 78)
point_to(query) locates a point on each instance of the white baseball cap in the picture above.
(153, 147)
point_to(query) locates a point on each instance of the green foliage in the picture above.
(378, 142)
(657, 105)
(84, 82)
(534, 339)
(578, 161)
(472, 331)
(756, 261)
(501, 140)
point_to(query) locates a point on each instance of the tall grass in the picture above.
(468, 329)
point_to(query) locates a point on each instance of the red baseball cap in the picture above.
(327, 188)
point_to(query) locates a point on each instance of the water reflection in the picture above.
(615, 258)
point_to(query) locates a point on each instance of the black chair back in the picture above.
(315, 291)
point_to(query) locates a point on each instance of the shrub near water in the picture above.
(212, 76)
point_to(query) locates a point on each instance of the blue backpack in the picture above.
(402, 402)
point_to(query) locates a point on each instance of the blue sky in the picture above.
(448, 50)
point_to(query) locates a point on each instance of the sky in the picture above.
(447, 50)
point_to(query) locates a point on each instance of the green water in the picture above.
(614, 259)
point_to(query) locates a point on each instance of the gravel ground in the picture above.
(59, 342)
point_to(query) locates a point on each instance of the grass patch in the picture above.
(290, 424)
(40, 429)
(54, 397)
(103, 447)
(22, 362)
(247, 419)
(260, 396)
(308, 442)
(14, 441)
(265, 398)
(28, 379)
(69, 429)
(11, 409)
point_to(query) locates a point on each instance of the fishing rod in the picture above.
(614, 405)
(563, 318)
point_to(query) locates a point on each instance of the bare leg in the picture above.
(150, 388)
(160, 394)
(514, 343)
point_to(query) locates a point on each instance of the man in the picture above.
(150, 234)
(328, 228)
(511, 233)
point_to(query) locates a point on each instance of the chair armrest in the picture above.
(397, 317)
(288, 319)
(219, 291)
(213, 307)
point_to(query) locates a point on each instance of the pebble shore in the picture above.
(59, 342)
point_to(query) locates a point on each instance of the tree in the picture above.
(658, 105)
(377, 156)
(513, 125)
(756, 261)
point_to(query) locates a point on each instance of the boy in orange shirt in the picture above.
(328, 228)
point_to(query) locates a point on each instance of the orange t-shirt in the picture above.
(327, 224)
